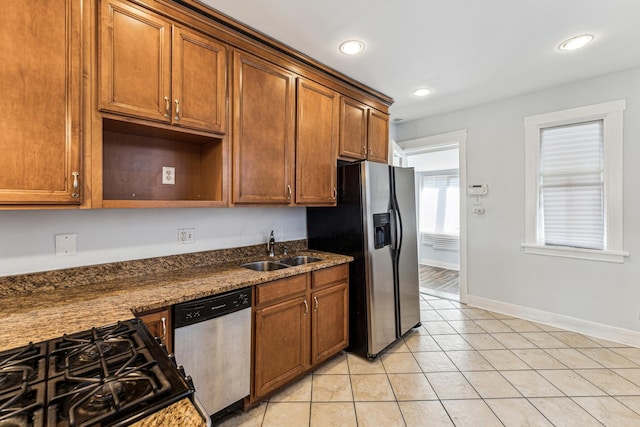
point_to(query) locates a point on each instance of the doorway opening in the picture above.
(439, 164)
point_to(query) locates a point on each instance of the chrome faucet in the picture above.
(271, 245)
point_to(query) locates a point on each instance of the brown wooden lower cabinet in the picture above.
(281, 350)
(329, 326)
(159, 324)
(299, 322)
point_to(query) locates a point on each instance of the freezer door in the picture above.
(408, 282)
(379, 267)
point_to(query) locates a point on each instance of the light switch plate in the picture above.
(66, 244)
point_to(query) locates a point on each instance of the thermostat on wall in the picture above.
(477, 189)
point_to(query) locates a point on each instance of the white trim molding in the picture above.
(579, 253)
(586, 327)
(447, 141)
(612, 115)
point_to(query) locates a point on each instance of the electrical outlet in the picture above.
(66, 244)
(186, 235)
(168, 175)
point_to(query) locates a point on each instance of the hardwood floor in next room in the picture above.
(440, 282)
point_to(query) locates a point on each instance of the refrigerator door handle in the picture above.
(398, 224)
(393, 230)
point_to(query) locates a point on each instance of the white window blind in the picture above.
(440, 204)
(571, 198)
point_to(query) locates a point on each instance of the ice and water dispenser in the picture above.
(382, 229)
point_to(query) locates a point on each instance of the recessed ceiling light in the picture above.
(351, 47)
(575, 42)
(422, 91)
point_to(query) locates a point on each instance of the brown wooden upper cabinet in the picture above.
(40, 82)
(364, 131)
(318, 115)
(378, 136)
(151, 68)
(263, 131)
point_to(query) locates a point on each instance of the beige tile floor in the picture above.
(466, 367)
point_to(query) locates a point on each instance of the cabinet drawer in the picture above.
(279, 289)
(328, 276)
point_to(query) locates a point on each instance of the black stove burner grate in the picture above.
(25, 408)
(21, 367)
(110, 376)
(87, 349)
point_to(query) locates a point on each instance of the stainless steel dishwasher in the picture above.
(213, 342)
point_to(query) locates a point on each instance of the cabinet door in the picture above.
(281, 344)
(159, 324)
(353, 129)
(329, 322)
(134, 52)
(316, 144)
(40, 81)
(378, 136)
(263, 131)
(198, 81)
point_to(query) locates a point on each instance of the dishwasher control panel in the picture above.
(211, 307)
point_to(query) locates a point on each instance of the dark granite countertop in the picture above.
(45, 313)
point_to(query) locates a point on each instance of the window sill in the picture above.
(589, 254)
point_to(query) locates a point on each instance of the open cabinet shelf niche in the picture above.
(133, 158)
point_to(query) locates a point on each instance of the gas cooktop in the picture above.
(108, 376)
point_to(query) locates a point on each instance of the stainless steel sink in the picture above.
(299, 260)
(264, 266)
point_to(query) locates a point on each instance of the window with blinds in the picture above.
(571, 199)
(440, 204)
(573, 183)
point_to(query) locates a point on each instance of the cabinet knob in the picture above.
(167, 107)
(177, 117)
(164, 329)
(370, 151)
(76, 185)
(364, 149)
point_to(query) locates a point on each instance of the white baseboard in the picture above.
(586, 327)
(440, 264)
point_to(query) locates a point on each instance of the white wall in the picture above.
(107, 235)
(434, 160)
(498, 270)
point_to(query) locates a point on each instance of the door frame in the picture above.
(444, 141)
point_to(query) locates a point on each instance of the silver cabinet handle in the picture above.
(316, 301)
(164, 330)
(167, 107)
(76, 185)
(306, 307)
(335, 193)
(288, 191)
(177, 117)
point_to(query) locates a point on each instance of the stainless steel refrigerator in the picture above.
(375, 222)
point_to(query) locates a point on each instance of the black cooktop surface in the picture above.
(108, 376)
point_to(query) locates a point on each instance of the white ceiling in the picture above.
(468, 52)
